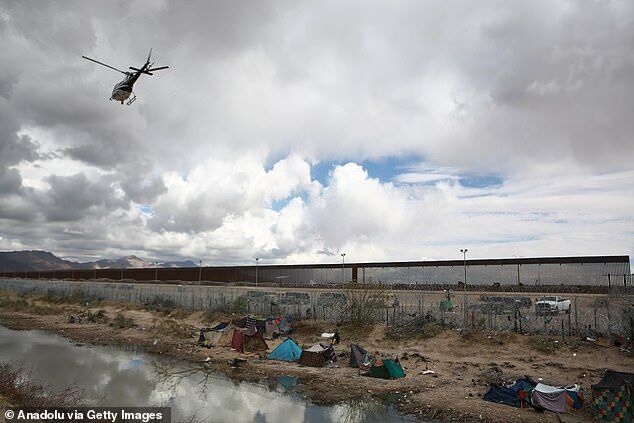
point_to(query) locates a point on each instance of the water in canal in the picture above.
(113, 376)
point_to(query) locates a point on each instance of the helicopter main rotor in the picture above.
(108, 66)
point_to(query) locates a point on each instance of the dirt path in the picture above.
(453, 393)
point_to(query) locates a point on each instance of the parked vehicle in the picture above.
(552, 305)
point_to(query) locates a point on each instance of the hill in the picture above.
(43, 260)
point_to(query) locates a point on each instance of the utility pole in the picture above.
(200, 271)
(257, 260)
(466, 301)
(343, 267)
(518, 270)
(156, 271)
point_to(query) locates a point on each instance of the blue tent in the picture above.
(510, 396)
(286, 351)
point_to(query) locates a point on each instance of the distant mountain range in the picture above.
(44, 260)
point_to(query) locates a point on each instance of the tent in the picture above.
(556, 399)
(513, 395)
(358, 356)
(613, 397)
(221, 326)
(210, 338)
(318, 355)
(288, 350)
(387, 369)
(313, 357)
(237, 340)
(260, 325)
(240, 323)
(244, 343)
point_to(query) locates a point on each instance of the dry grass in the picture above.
(120, 321)
(21, 304)
(17, 388)
(171, 327)
(550, 345)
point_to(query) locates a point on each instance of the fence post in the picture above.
(576, 318)
(563, 334)
(609, 317)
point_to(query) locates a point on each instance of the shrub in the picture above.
(97, 317)
(122, 322)
(364, 304)
(20, 391)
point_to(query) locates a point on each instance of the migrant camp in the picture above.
(557, 399)
(218, 335)
(358, 356)
(613, 397)
(317, 356)
(387, 369)
(275, 327)
(288, 350)
(517, 395)
(244, 343)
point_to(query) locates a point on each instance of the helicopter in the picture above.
(123, 90)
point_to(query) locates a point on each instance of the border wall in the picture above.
(588, 315)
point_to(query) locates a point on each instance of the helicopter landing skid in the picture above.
(132, 99)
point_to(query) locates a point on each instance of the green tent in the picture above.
(387, 369)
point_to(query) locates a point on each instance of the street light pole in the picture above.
(464, 258)
(343, 267)
(518, 270)
(257, 260)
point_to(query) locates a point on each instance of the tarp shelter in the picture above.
(210, 339)
(358, 356)
(242, 342)
(318, 355)
(240, 323)
(516, 396)
(288, 350)
(220, 326)
(313, 357)
(613, 397)
(387, 369)
(556, 399)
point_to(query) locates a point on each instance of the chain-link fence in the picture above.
(579, 314)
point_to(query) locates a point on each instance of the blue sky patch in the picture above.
(480, 181)
(383, 169)
(145, 209)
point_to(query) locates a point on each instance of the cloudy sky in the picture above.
(294, 131)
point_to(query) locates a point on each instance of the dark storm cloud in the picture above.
(494, 87)
(70, 198)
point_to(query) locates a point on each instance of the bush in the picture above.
(97, 317)
(364, 304)
(122, 322)
(16, 386)
(239, 305)
(161, 305)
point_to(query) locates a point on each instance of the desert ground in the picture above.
(464, 363)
